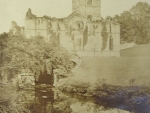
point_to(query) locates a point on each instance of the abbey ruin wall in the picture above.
(83, 31)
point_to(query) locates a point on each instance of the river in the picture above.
(50, 100)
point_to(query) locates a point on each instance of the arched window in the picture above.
(89, 2)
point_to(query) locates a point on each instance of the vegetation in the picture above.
(135, 24)
(8, 100)
(134, 98)
(19, 54)
(34, 55)
(137, 51)
(106, 76)
(104, 34)
(129, 81)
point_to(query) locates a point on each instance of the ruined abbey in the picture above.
(83, 31)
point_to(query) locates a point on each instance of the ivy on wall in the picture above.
(111, 43)
(85, 36)
(104, 35)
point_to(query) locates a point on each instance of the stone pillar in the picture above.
(90, 28)
(78, 40)
(81, 35)
(62, 40)
(55, 80)
(41, 28)
(54, 25)
(30, 27)
(113, 36)
(105, 52)
(65, 40)
(99, 39)
(116, 39)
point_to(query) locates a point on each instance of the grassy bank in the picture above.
(132, 98)
(117, 71)
(137, 51)
(125, 78)
(132, 68)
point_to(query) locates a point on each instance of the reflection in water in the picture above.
(54, 101)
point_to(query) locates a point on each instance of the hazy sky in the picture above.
(15, 10)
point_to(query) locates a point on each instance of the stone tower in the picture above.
(88, 8)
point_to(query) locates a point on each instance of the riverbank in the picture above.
(135, 99)
(8, 99)
(131, 69)
(46, 100)
(125, 79)
(115, 71)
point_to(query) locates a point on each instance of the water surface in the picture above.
(53, 101)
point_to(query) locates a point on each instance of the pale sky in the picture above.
(15, 10)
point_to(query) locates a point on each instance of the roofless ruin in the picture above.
(83, 31)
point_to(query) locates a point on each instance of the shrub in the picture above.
(34, 54)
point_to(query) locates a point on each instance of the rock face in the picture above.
(83, 31)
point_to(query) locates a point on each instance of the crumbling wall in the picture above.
(115, 37)
(78, 33)
(15, 29)
(35, 27)
(30, 28)
(101, 39)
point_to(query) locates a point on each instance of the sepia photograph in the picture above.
(74, 56)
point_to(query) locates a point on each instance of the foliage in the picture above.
(8, 100)
(75, 86)
(135, 23)
(34, 55)
(105, 36)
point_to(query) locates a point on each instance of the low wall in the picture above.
(127, 45)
